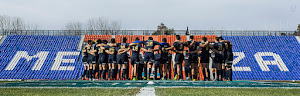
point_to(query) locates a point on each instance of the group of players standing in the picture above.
(111, 58)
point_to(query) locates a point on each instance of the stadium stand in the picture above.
(265, 57)
(40, 57)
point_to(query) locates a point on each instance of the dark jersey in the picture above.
(150, 44)
(229, 48)
(178, 46)
(89, 51)
(101, 52)
(136, 50)
(205, 50)
(123, 46)
(194, 46)
(85, 53)
(219, 46)
(112, 49)
(164, 45)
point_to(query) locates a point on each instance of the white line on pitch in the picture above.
(146, 91)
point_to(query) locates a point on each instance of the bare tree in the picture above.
(103, 26)
(13, 25)
(74, 28)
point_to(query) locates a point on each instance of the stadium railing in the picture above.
(147, 32)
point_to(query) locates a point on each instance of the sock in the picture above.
(99, 74)
(230, 74)
(186, 72)
(194, 76)
(108, 76)
(113, 73)
(208, 72)
(180, 76)
(124, 74)
(145, 72)
(155, 73)
(119, 71)
(84, 72)
(214, 75)
(90, 73)
(223, 73)
(104, 74)
(204, 75)
(93, 74)
(149, 72)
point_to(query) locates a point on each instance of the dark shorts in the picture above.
(230, 56)
(204, 59)
(187, 64)
(219, 59)
(92, 60)
(85, 61)
(164, 60)
(193, 58)
(102, 60)
(213, 63)
(112, 59)
(135, 60)
(156, 63)
(179, 58)
(122, 59)
(149, 57)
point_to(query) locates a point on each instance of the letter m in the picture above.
(23, 54)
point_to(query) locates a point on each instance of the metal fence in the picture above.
(147, 32)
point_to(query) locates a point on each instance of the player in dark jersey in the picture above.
(157, 58)
(228, 60)
(178, 49)
(204, 58)
(103, 58)
(85, 62)
(193, 57)
(187, 65)
(97, 58)
(112, 51)
(91, 59)
(149, 55)
(220, 47)
(164, 60)
(123, 58)
(135, 48)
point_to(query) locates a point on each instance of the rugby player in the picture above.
(220, 47)
(85, 62)
(204, 58)
(193, 57)
(135, 48)
(91, 59)
(149, 55)
(178, 47)
(157, 58)
(228, 60)
(164, 60)
(111, 50)
(123, 58)
(103, 58)
(97, 57)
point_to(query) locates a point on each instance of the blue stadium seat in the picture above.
(287, 47)
(33, 44)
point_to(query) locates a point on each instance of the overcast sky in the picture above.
(147, 14)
